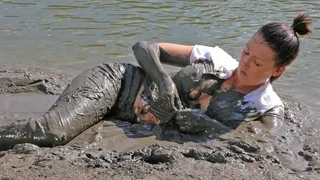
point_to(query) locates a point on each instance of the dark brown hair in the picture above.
(284, 40)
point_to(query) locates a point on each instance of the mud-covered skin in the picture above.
(90, 96)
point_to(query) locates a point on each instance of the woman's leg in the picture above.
(88, 98)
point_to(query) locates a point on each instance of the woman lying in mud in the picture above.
(212, 92)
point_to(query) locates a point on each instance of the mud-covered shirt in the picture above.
(212, 65)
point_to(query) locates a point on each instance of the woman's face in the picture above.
(257, 63)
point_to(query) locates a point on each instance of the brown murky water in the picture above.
(74, 35)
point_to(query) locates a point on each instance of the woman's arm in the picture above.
(175, 54)
(194, 121)
(148, 57)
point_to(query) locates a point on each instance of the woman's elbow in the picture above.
(140, 45)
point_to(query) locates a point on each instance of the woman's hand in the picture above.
(167, 104)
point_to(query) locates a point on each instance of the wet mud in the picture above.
(33, 80)
(114, 149)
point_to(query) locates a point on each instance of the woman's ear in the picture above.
(279, 71)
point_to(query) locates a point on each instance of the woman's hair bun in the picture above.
(301, 24)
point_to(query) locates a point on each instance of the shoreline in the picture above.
(248, 152)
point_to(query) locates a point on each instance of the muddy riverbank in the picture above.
(120, 150)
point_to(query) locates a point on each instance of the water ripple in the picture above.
(81, 33)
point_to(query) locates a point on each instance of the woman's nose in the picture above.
(246, 62)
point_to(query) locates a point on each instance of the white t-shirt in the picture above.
(262, 99)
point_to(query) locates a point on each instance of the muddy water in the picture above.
(73, 35)
(77, 34)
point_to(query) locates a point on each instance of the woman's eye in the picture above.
(255, 62)
(245, 52)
